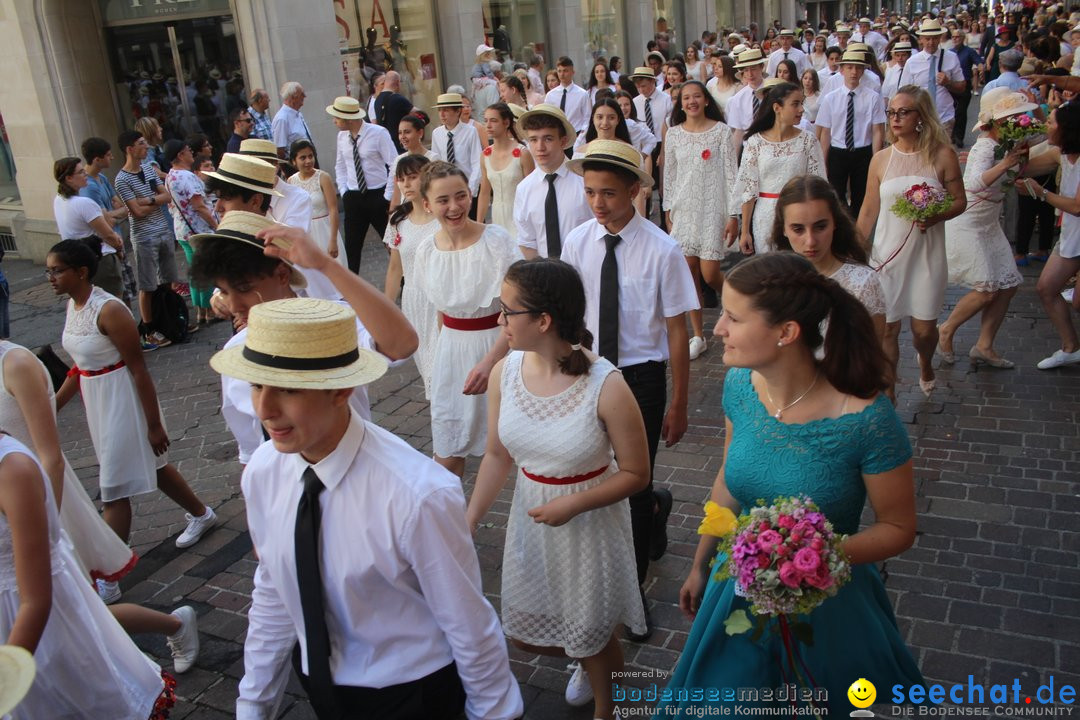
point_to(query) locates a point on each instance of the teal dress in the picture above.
(855, 633)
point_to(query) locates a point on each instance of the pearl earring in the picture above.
(779, 343)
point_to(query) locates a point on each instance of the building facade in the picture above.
(79, 68)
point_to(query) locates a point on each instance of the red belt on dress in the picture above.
(76, 370)
(564, 480)
(771, 196)
(480, 323)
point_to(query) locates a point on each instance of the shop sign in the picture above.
(126, 11)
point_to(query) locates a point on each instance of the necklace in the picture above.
(780, 410)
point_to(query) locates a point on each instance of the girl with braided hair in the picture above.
(562, 414)
(799, 426)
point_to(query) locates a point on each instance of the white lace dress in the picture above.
(699, 173)
(567, 586)
(977, 250)
(503, 188)
(863, 284)
(87, 666)
(766, 167)
(910, 264)
(101, 553)
(118, 428)
(462, 284)
(406, 237)
(319, 229)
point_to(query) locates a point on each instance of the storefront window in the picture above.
(380, 35)
(668, 14)
(515, 28)
(9, 191)
(605, 29)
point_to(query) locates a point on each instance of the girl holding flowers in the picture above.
(828, 433)
(909, 255)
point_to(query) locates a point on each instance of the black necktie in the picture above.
(361, 183)
(609, 302)
(551, 219)
(309, 579)
(785, 56)
(562, 103)
(648, 115)
(849, 131)
(450, 148)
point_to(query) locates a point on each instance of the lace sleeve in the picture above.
(669, 177)
(869, 292)
(980, 159)
(748, 180)
(731, 168)
(885, 442)
(815, 164)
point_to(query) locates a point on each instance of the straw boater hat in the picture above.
(17, 670)
(656, 54)
(750, 58)
(902, 47)
(986, 106)
(248, 172)
(930, 28)
(740, 48)
(449, 100)
(859, 46)
(787, 32)
(865, 20)
(615, 153)
(770, 83)
(303, 344)
(346, 108)
(854, 57)
(555, 112)
(643, 72)
(841, 29)
(516, 110)
(242, 226)
(265, 150)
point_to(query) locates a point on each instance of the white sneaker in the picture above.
(697, 347)
(196, 528)
(578, 690)
(1058, 359)
(185, 643)
(109, 592)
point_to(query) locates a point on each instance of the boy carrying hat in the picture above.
(367, 579)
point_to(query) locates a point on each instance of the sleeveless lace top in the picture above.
(314, 190)
(575, 442)
(83, 340)
(824, 459)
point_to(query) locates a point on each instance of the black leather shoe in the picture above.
(664, 502)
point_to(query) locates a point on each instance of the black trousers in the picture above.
(849, 167)
(362, 210)
(648, 382)
(438, 696)
(963, 101)
(1029, 210)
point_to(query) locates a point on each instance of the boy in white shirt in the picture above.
(458, 143)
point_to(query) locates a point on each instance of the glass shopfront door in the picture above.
(183, 72)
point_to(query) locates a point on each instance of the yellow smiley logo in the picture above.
(862, 693)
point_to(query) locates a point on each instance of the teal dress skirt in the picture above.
(854, 633)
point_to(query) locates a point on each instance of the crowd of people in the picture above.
(773, 165)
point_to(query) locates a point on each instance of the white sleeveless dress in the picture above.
(568, 586)
(319, 230)
(100, 551)
(765, 169)
(503, 188)
(462, 284)
(87, 666)
(118, 428)
(406, 237)
(1069, 243)
(976, 248)
(911, 264)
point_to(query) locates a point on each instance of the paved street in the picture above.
(990, 589)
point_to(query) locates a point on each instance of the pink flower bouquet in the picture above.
(921, 202)
(1018, 131)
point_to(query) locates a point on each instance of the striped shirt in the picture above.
(143, 184)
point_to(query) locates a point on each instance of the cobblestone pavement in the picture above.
(990, 589)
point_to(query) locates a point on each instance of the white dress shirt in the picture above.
(917, 71)
(740, 109)
(654, 284)
(869, 111)
(660, 104)
(529, 200)
(795, 55)
(239, 412)
(578, 106)
(895, 76)
(640, 137)
(869, 80)
(377, 152)
(400, 576)
(288, 126)
(825, 74)
(466, 151)
(391, 176)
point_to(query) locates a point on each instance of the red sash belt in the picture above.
(564, 480)
(771, 196)
(76, 370)
(480, 323)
